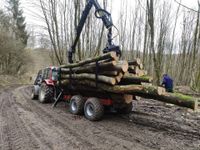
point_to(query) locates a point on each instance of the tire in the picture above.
(46, 93)
(126, 109)
(93, 109)
(33, 96)
(77, 105)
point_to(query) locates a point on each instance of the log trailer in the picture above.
(46, 90)
(104, 82)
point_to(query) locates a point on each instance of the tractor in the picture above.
(44, 85)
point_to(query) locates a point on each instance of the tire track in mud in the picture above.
(48, 129)
(13, 133)
(96, 134)
(39, 126)
(122, 129)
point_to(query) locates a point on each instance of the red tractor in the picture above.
(44, 85)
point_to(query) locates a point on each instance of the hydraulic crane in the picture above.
(107, 21)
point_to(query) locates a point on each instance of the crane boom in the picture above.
(107, 21)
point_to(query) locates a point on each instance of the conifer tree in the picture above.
(19, 20)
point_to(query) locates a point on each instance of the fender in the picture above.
(49, 82)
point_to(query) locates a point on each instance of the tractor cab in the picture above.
(44, 83)
(48, 75)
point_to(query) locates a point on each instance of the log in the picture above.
(136, 62)
(126, 89)
(101, 78)
(113, 67)
(133, 69)
(176, 99)
(180, 100)
(109, 73)
(119, 77)
(110, 55)
(149, 92)
(130, 79)
(93, 92)
(122, 66)
(136, 71)
(90, 68)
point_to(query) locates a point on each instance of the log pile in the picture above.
(107, 76)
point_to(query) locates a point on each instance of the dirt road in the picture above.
(27, 124)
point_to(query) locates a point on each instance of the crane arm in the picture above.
(107, 21)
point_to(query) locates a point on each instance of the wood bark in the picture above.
(101, 78)
(130, 79)
(123, 89)
(175, 98)
(136, 71)
(136, 62)
(110, 55)
(91, 68)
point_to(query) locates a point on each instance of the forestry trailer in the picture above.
(102, 82)
(48, 89)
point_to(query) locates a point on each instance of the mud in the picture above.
(26, 124)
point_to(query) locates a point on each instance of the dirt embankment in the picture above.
(27, 124)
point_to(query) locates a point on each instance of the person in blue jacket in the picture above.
(167, 82)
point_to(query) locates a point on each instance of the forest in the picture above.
(98, 100)
(165, 35)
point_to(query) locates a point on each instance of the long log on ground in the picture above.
(175, 98)
(110, 55)
(130, 79)
(126, 89)
(149, 92)
(101, 78)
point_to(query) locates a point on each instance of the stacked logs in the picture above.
(105, 69)
(106, 76)
(136, 74)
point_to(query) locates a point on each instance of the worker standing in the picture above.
(167, 82)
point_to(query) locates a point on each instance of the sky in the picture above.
(33, 23)
(29, 9)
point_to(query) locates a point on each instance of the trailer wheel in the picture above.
(46, 93)
(93, 109)
(77, 105)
